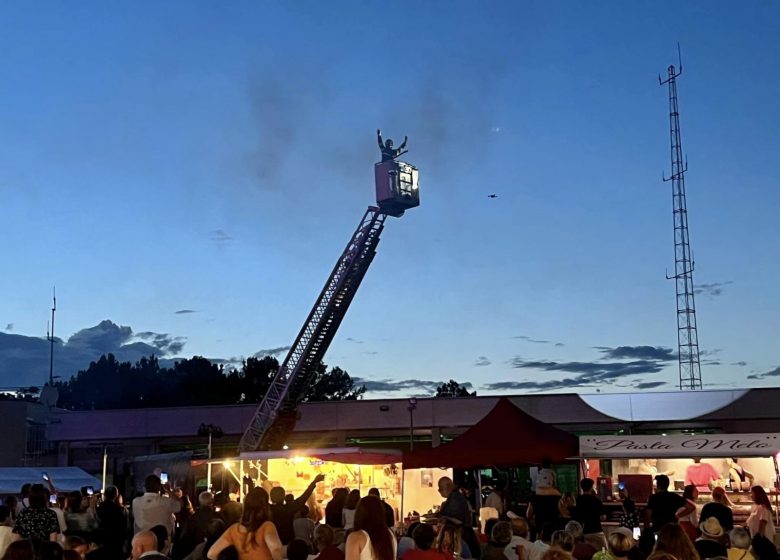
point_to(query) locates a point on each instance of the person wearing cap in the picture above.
(711, 543)
(662, 506)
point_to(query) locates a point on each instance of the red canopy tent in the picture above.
(505, 436)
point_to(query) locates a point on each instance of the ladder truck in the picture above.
(397, 190)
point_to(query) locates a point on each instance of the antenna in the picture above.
(687, 332)
(51, 338)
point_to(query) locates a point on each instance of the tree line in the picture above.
(108, 383)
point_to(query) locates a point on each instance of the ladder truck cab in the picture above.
(397, 187)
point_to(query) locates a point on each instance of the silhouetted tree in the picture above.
(108, 383)
(454, 389)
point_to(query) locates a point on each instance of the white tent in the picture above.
(65, 479)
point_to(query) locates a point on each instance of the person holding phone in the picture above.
(80, 514)
(153, 508)
(37, 521)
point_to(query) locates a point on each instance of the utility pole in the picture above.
(51, 338)
(687, 334)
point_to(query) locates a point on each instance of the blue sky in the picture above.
(215, 157)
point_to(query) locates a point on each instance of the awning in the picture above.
(65, 479)
(505, 436)
(347, 455)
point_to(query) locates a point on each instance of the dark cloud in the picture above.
(711, 363)
(24, 360)
(482, 361)
(184, 311)
(559, 344)
(9, 327)
(163, 343)
(103, 337)
(271, 351)
(354, 340)
(771, 373)
(529, 339)
(417, 386)
(656, 353)
(220, 236)
(740, 364)
(649, 385)
(713, 290)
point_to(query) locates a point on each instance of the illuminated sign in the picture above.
(711, 445)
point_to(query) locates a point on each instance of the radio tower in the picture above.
(687, 335)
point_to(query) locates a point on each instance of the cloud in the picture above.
(372, 353)
(103, 337)
(220, 236)
(9, 327)
(529, 339)
(740, 364)
(353, 340)
(649, 385)
(559, 344)
(417, 386)
(164, 343)
(24, 360)
(772, 373)
(271, 351)
(184, 311)
(659, 353)
(713, 290)
(482, 361)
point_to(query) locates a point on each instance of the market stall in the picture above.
(345, 467)
(628, 464)
(505, 437)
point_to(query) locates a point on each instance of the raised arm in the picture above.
(301, 500)
(403, 144)
(379, 139)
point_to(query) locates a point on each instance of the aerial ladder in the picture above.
(397, 190)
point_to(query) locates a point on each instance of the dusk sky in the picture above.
(192, 171)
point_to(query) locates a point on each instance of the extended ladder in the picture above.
(275, 416)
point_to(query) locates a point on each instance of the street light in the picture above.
(411, 408)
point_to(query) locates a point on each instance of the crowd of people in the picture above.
(670, 527)
(162, 524)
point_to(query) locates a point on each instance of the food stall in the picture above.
(345, 467)
(627, 465)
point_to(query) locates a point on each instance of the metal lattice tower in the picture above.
(687, 334)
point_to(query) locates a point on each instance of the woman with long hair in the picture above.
(449, 541)
(254, 537)
(687, 516)
(760, 520)
(348, 512)
(673, 540)
(371, 538)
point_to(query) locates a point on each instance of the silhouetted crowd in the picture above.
(162, 524)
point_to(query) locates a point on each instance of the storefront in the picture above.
(351, 467)
(627, 465)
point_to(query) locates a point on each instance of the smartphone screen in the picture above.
(621, 485)
(90, 491)
(53, 499)
(164, 477)
(637, 533)
(45, 477)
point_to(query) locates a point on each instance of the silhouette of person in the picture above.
(388, 152)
